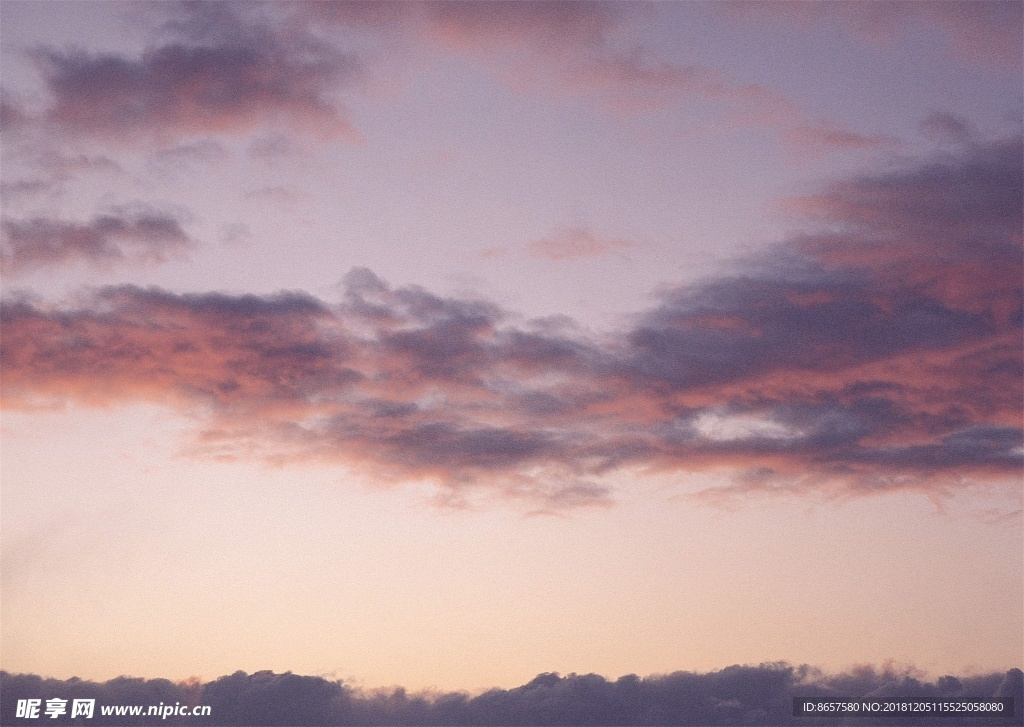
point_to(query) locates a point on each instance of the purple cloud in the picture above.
(112, 239)
(222, 74)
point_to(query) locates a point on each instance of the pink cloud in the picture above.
(570, 49)
(827, 137)
(554, 27)
(880, 351)
(575, 243)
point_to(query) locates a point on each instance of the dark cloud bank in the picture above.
(877, 350)
(736, 695)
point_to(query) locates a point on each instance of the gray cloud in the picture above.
(110, 239)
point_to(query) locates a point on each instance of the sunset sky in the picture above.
(444, 344)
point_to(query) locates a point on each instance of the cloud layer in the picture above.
(734, 695)
(881, 350)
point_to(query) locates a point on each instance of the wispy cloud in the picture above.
(46, 172)
(822, 138)
(574, 243)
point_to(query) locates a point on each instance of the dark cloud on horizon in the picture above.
(880, 350)
(752, 695)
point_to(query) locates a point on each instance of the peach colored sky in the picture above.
(442, 344)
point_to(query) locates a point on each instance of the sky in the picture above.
(446, 344)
